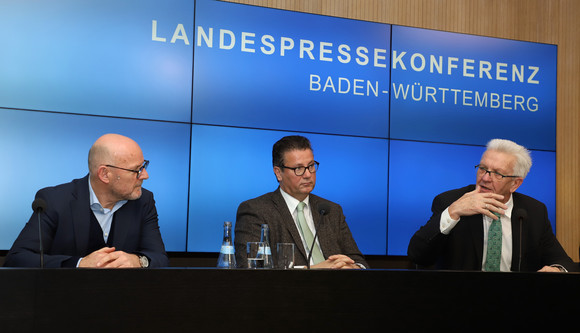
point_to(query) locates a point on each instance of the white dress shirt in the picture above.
(292, 204)
(447, 224)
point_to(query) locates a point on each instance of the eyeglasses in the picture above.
(299, 171)
(493, 174)
(138, 171)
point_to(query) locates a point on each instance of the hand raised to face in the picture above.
(477, 202)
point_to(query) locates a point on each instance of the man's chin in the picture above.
(135, 195)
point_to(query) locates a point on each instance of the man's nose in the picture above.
(144, 174)
(488, 175)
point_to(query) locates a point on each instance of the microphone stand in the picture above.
(39, 211)
(311, 249)
(521, 218)
(39, 206)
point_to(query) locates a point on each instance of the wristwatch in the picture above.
(143, 261)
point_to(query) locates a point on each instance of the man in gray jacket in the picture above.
(294, 215)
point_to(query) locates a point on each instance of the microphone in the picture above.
(323, 209)
(39, 206)
(521, 214)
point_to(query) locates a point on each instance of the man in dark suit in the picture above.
(461, 234)
(293, 213)
(104, 220)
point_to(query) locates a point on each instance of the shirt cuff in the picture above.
(446, 223)
(560, 267)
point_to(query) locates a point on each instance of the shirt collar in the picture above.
(510, 206)
(508, 210)
(292, 202)
(96, 205)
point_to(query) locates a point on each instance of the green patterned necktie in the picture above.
(493, 258)
(317, 256)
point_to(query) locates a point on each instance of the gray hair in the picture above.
(522, 155)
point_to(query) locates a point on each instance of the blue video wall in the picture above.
(395, 114)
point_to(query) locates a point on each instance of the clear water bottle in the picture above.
(265, 238)
(227, 258)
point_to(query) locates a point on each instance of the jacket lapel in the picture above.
(121, 221)
(81, 214)
(324, 230)
(288, 221)
(516, 239)
(476, 225)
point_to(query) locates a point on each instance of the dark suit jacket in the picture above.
(334, 235)
(462, 249)
(65, 229)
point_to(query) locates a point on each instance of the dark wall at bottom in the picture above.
(245, 300)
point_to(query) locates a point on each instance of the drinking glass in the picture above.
(256, 254)
(285, 255)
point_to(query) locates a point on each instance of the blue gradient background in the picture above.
(353, 172)
(207, 118)
(95, 57)
(446, 122)
(420, 170)
(43, 149)
(271, 91)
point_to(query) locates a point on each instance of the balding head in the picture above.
(117, 169)
(113, 149)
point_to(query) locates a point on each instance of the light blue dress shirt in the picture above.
(103, 215)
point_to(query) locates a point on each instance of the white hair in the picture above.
(522, 155)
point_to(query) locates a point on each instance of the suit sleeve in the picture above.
(247, 229)
(151, 244)
(427, 244)
(348, 244)
(551, 252)
(25, 251)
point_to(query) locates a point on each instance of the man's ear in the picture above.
(103, 174)
(516, 184)
(278, 173)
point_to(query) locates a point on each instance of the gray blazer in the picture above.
(334, 235)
